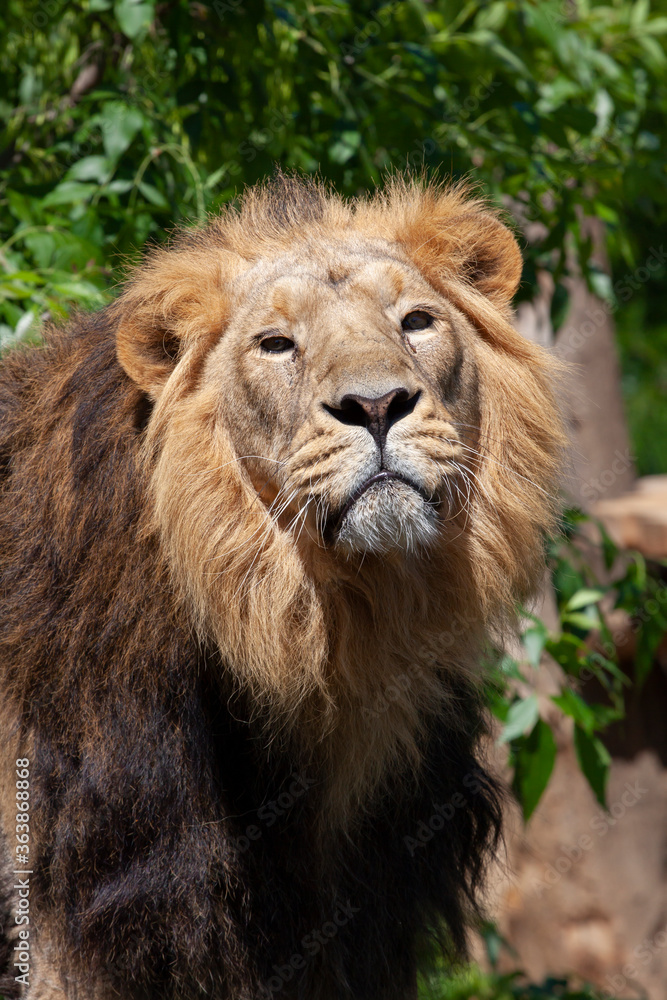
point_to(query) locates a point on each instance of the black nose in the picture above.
(376, 415)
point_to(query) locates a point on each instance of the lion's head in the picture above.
(352, 453)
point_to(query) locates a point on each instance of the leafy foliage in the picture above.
(121, 117)
(472, 982)
(642, 340)
(585, 650)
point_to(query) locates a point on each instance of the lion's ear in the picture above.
(175, 300)
(147, 349)
(492, 261)
(450, 237)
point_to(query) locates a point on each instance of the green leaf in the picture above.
(508, 667)
(28, 276)
(15, 316)
(24, 324)
(650, 636)
(574, 705)
(656, 26)
(215, 177)
(583, 599)
(118, 187)
(560, 305)
(584, 622)
(119, 125)
(493, 942)
(22, 207)
(133, 17)
(345, 147)
(61, 249)
(533, 764)
(639, 12)
(90, 168)
(609, 547)
(566, 579)
(491, 41)
(601, 285)
(153, 196)
(534, 640)
(654, 50)
(492, 17)
(42, 246)
(521, 716)
(69, 193)
(594, 761)
(79, 290)
(567, 651)
(8, 290)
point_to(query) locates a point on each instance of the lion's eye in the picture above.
(276, 345)
(417, 320)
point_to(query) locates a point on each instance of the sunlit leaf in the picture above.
(534, 639)
(134, 17)
(521, 716)
(583, 598)
(594, 761)
(533, 763)
(69, 193)
(119, 124)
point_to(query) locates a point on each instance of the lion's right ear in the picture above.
(175, 300)
(147, 349)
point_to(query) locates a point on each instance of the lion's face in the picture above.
(349, 388)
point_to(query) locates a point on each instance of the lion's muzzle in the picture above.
(387, 512)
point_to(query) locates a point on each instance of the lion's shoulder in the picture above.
(72, 495)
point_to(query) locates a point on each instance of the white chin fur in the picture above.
(388, 517)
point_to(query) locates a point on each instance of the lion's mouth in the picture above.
(337, 520)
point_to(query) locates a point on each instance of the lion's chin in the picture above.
(389, 516)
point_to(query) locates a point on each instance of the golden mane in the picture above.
(314, 643)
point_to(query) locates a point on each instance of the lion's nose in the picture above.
(377, 414)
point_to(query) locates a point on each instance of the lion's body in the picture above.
(253, 748)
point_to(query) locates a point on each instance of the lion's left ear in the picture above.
(453, 239)
(492, 261)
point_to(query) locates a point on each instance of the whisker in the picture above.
(237, 458)
(491, 458)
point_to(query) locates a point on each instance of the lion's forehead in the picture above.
(375, 270)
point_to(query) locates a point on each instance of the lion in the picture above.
(259, 518)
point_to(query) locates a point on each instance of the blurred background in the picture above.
(121, 118)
